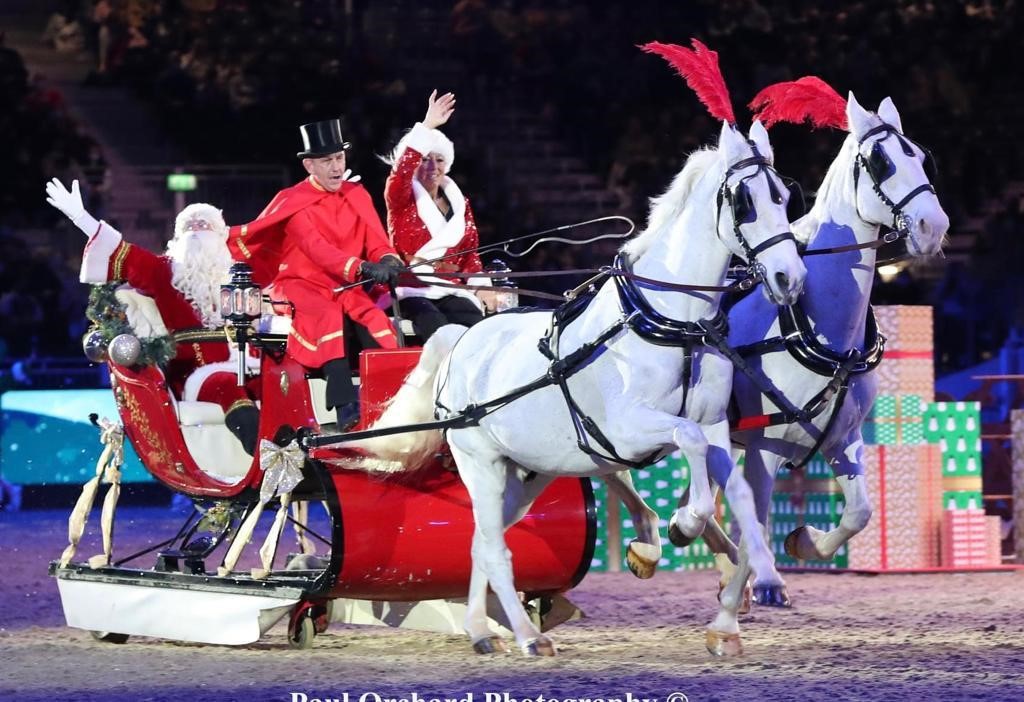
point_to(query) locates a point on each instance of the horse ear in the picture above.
(857, 117)
(730, 143)
(889, 114)
(759, 135)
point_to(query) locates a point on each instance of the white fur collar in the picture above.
(444, 234)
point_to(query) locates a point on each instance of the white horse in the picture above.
(632, 398)
(878, 178)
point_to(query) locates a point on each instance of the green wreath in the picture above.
(108, 316)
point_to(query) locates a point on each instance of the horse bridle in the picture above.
(880, 168)
(743, 211)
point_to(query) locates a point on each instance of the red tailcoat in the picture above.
(419, 230)
(108, 258)
(307, 242)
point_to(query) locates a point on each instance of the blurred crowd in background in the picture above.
(232, 79)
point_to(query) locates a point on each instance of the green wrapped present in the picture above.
(895, 420)
(956, 427)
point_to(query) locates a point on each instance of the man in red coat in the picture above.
(312, 239)
(185, 285)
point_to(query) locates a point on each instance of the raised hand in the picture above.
(70, 203)
(439, 109)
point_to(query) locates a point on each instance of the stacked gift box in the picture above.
(921, 459)
(970, 538)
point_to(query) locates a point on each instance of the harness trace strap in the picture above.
(800, 341)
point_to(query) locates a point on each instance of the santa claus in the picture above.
(185, 285)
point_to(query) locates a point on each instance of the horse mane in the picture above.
(667, 207)
(699, 66)
(807, 99)
(839, 168)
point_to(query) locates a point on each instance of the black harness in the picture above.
(879, 168)
(642, 319)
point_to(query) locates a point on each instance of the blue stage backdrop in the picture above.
(47, 438)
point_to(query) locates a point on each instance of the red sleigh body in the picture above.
(397, 538)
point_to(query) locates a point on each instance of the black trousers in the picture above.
(427, 316)
(338, 372)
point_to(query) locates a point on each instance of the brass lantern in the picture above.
(241, 300)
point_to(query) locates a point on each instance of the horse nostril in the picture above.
(782, 281)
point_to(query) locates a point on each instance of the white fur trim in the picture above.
(96, 257)
(426, 140)
(143, 316)
(202, 212)
(444, 233)
(200, 375)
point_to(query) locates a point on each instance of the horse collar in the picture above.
(803, 344)
(651, 325)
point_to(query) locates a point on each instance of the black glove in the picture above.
(379, 273)
(393, 263)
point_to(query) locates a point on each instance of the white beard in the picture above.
(199, 264)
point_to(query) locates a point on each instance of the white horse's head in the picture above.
(891, 182)
(752, 219)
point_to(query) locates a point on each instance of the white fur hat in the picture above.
(439, 144)
(199, 217)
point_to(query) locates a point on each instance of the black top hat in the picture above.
(322, 139)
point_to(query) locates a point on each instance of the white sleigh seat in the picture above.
(213, 447)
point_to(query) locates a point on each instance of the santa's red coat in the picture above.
(108, 257)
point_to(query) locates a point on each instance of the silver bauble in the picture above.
(94, 346)
(124, 349)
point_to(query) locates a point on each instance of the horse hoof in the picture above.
(676, 535)
(771, 596)
(540, 646)
(642, 559)
(792, 542)
(723, 645)
(489, 645)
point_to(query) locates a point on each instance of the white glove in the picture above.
(70, 203)
(347, 175)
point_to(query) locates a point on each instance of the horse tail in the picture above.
(412, 404)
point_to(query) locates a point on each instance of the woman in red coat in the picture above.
(428, 218)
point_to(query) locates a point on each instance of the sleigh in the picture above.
(368, 549)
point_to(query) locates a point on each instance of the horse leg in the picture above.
(518, 498)
(485, 480)
(768, 584)
(809, 543)
(476, 623)
(644, 551)
(722, 636)
(759, 471)
(691, 519)
(714, 535)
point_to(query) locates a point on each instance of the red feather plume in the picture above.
(699, 66)
(808, 99)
